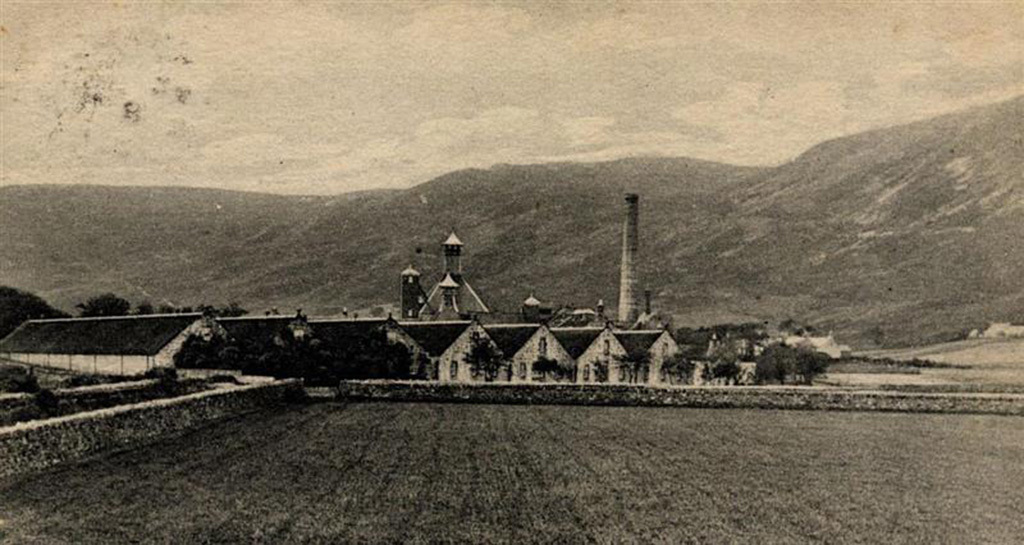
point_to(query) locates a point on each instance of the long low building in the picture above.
(120, 345)
(126, 345)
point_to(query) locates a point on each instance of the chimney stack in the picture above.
(628, 304)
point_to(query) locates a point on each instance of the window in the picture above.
(543, 349)
(586, 373)
(522, 369)
(411, 312)
(607, 347)
(454, 370)
(410, 280)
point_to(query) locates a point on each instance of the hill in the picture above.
(892, 237)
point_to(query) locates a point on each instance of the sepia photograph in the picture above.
(297, 271)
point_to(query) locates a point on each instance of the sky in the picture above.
(326, 98)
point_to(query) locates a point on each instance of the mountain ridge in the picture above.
(891, 237)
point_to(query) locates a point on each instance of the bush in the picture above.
(18, 380)
(678, 369)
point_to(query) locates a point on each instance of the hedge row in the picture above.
(48, 404)
(801, 398)
(35, 445)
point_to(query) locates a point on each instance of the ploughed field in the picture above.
(443, 472)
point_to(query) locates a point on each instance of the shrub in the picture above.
(810, 364)
(48, 403)
(484, 359)
(678, 369)
(18, 380)
(548, 367)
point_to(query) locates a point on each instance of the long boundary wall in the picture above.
(768, 397)
(20, 407)
(35, 445)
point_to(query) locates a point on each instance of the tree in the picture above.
(775, 364)
(633, 365)
(810, 364)
(727, 370)
(484, 358)
(16, 306)
(601, 371)
(106, 304)
(678, 369)
(549, 367)
(144, 308)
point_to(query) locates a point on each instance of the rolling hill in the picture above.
(892, 237)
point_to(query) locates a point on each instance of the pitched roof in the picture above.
(510, 338)
(410, 271)
(466, 299)
(434, 337)
(115, 335)
(448, 282)
(576, 340)
(253, 328)
(531, 301)
(453, 240)
(334, 331)
(637, 343)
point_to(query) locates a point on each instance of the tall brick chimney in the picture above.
(629, 306)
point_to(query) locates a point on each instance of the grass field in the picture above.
(435, 472)
(991, 361)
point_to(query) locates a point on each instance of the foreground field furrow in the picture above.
(426, 473)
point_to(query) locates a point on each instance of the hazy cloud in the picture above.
(327, 98)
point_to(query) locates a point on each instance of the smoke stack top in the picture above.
(629, 307)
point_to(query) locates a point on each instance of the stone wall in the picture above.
(22, 407)
(759, 397)
(35, 445)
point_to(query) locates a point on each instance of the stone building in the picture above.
(523, 345)
(655, 346)
(117, 345)
(452, 298)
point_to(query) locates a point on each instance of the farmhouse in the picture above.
(825, 345)
(120, 345)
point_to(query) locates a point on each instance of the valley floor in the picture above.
(390, 472)
(993, 362)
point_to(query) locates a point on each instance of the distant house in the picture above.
(826, 345)
(1001, 330)
(118, 345)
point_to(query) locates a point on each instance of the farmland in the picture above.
(436, 472)
(990, 361)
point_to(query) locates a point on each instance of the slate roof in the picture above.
(576, 340)
(255, 327)
(510, 338)
(466, 299)
(637, 343)
(116, 335)
(333, 331)
(434, 337)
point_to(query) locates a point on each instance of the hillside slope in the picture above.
(896, 236)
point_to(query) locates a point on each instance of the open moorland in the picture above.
(391, 472)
